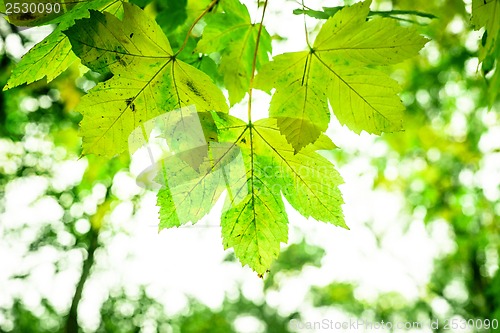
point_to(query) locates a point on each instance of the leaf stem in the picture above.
(402, 12)
(305, 25)
(209, 8)
(254, 63)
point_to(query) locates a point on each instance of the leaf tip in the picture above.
(262, 275)
(7, 86)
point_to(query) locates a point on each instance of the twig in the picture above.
(209, 8)
(254, 64)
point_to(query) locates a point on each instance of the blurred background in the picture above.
(80, 250)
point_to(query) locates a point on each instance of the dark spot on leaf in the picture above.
(128, 101)
(27, 16)
(194, 89)
(131, 35)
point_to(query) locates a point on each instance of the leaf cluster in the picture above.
(165, 80)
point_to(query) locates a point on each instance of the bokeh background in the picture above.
(80, 250)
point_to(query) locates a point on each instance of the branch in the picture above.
(72, 319)
(208, 9)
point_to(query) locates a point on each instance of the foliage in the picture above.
(233, 35)
(145, 78)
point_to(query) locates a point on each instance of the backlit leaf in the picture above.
(52, 56)
(147, 81)
(338, 69)
(256, 166)
(233, 35)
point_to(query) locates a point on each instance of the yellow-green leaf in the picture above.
(49, 59)
(233, 35)
(379, 41)
(300, 101)
(147, 81)
(257, 167)
(52, 56)
(338, 69)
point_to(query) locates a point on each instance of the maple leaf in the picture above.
(338, 69)
(55, 49)
(233, 35)
(147, 81)
(256, 166)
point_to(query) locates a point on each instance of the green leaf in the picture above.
(380, 41)
(494, 82)
(257, 166)
(486, 13)
(338, 69)
(49, 59)
(494, 88)
(197, 168)
(147, 81)
(256, 227)
(190, 193)
(52, 56)
(233, 35)
(300, 101)
(309, 181)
